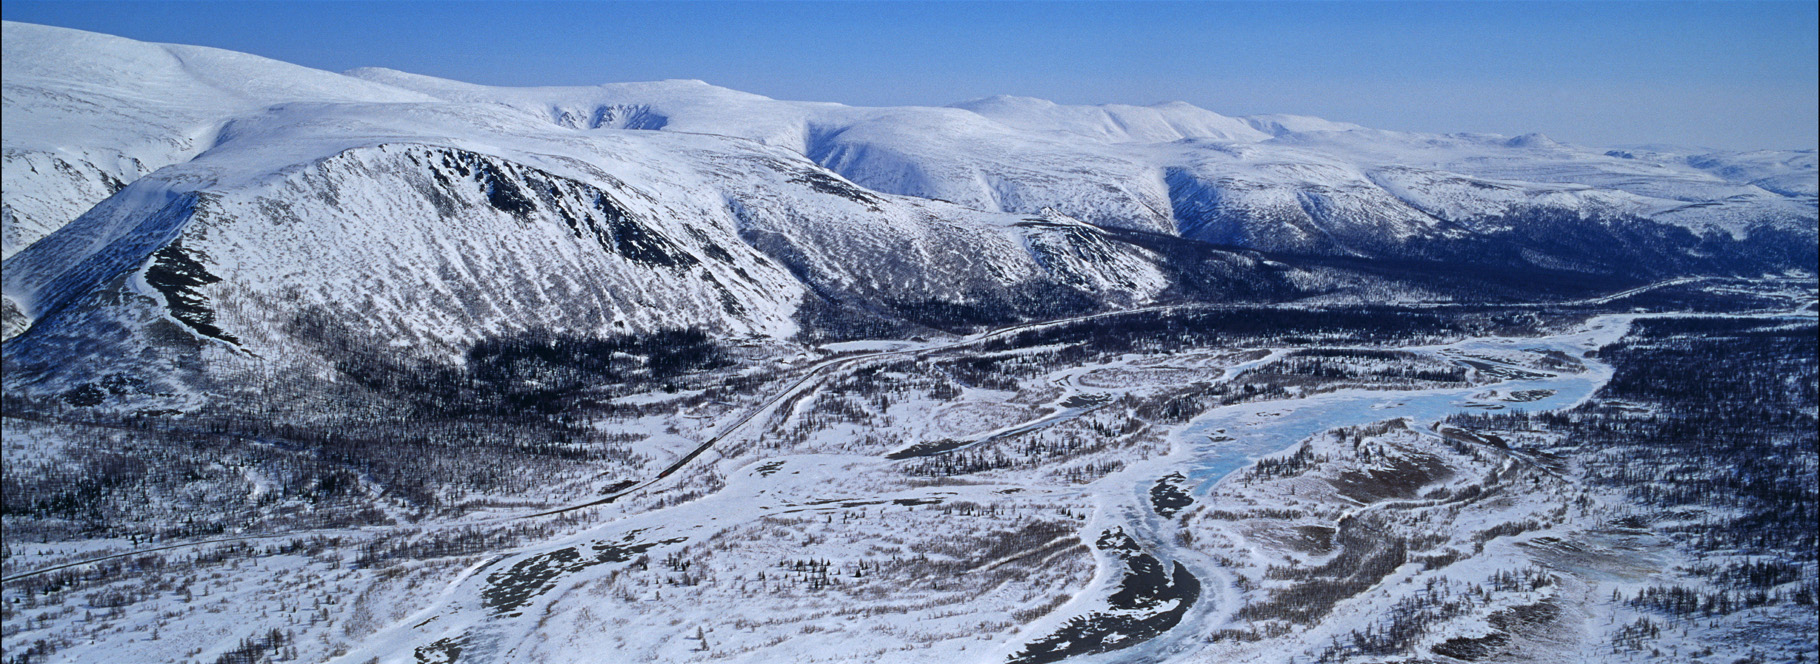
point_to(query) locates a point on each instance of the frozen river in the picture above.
(1233, 437)
(1221, 441)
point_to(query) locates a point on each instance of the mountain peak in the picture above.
(1178, 105)
(1280, 124)
(1003, 101)
(1533, 140)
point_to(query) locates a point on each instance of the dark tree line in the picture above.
(1711, 416)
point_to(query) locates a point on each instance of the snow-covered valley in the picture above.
(804, 532)
(306, 366)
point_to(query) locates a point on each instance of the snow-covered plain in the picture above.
(808, 534)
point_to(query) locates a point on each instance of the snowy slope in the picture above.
(1115, 123)
(87, 112)
(951, 154)
(1297, 182)
(1138, 167)
(230, 204)
(367, 222)
(1581, 180)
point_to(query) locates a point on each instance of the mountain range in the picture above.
(174, 212)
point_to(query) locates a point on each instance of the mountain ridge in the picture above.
(636, 208)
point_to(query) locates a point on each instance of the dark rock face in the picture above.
(176, 273)
(1150, 600)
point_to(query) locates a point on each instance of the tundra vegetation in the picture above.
(1028, 496)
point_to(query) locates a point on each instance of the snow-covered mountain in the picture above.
(87, 113)
(363, 215)
(168, 202)
(1177, 168)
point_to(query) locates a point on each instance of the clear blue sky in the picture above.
(1719, 74)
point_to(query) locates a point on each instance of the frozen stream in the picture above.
(1231, 438)
(1227, 439)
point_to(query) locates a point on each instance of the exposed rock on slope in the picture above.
(220, 201)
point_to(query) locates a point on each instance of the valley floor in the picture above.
(1090, 490)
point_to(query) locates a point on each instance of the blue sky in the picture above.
(1739, 75)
